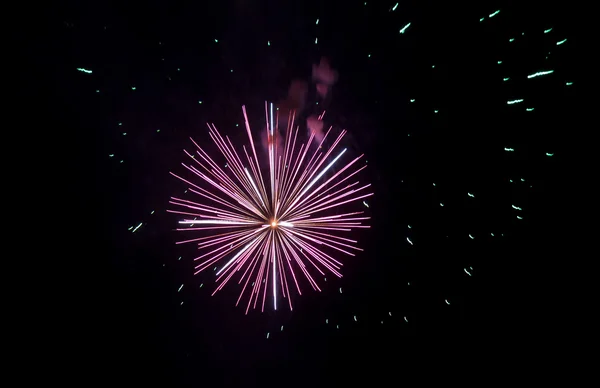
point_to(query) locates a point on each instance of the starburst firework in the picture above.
(271, 236)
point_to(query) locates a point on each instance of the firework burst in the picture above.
(270, 234)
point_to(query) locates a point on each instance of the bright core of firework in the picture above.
(271, 233)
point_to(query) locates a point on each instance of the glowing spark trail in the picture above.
(404, 28)
(514, 102)
(540, 73)
(84, 70)
(275, 224)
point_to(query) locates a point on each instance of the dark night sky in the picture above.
(128, 323)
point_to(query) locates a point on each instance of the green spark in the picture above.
(267, 335)
(539, 73)
(509, 149)
(434, 184)
(467, 271)
(133, 88)
(355, 319)
(216, 41)
(519, 217)
(435, 111)
(441, 204)
(340, 290)
(433, 67)
(395, 6)
(281, 327)
(472, 238)
(404, 28)
(492, 234)
(407, 239)
(316, 40)
(152, 212)
(561, 42)
(548, 30)
(409, 227)
(201, 284)
(111, 155)
(412, 100)
(505, 79)
(569, 83)
(84, 70)
(406, 320)
(482, 19)
(158, 130)
(317, 22)
(120, 124)
(231, 70)
(97, 90)
(529, 109)
(364, 203)
(514, 101)
(499, 62)
(495, 13)
(131, 227)
(471, 195)
(369, 55)
(121, 161)
(124, 133)
(548, 154)
(136, 228)
(511, 40)
(448, 303)
(180, 287)
(522, 180)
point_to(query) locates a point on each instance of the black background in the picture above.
(126, 323)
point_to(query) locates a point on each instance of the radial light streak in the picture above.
(267, 238)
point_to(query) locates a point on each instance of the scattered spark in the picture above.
(406, 320)
(412, 100)
(561, 42)
(121, 161)
(529, 109)
(316, 40)
(516, 207)
(231, 70)
(216, 41)
(179, 258)
(267, 335)
(409, 227)
(540, 73)
(281, 327)
(201, 284)
(448, 303)
(407, 239)
(404, 28)
(468, 273)
(492, 234)
(355, 319)
(327, 321)
(390, 313)
(317, 22)
(511, 40)
(365, 204)
(338, 326)
(506, 79)
(519, 217)
(514, 101)
(120, 124)
(549, 154)
(133, 88)
(268, 42)
(180, 287)
(181, 304)
(124, 133)
(136, 228)
(472, 238)
(471, 195)
(495, 13)
(97, 90)
(548, 30)
(441, 204)
(435, 111)
(340, 290)
(131, 227)
(499, 62)
(395, 6)
(522, 180)
(111, 155)
(433, 67)
(434, 184)
(569, 83)
(369, 56)
(158, 130)
(200, 102)
(482, 19)
(509, 149)
(84, 70)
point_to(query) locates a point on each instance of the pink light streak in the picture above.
(266, 238)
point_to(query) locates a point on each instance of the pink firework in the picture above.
(271, 234)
